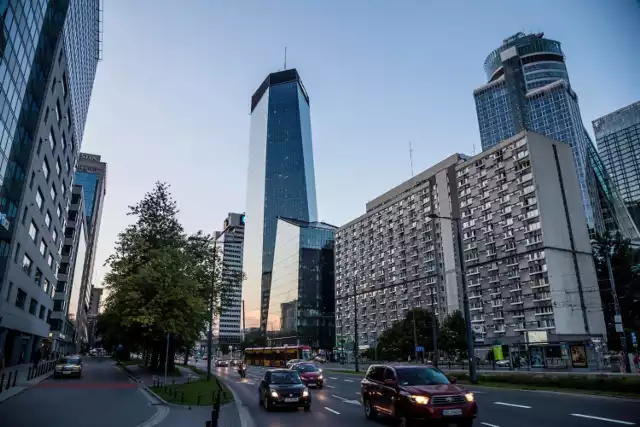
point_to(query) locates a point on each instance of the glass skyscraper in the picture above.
(281, 180)
(529, 89)
(618, 138)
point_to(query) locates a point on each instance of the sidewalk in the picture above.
(199, 415)
(16, 379)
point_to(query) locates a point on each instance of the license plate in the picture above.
(66, 373)
(312, 384)
(450, 412)
(291, 399)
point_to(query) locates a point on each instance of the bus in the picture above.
(276, 357)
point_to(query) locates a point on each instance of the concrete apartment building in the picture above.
(526, 244)
(397, 257)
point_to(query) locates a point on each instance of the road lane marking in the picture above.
(513, 405)
(489, 425)
(357, 392)
(603, 419)
(330, 386)
(333, 378)
(331, 410)
(349, 401)
(348, 381)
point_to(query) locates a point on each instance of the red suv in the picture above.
(416, 393)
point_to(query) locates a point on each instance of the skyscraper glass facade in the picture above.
(89, 183)
(618, 139)
(528, 89)
(281, 180)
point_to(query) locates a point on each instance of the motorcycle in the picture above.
(242, 370)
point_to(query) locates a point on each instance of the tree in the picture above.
(161, 282)
(452, 336)
(398, 342)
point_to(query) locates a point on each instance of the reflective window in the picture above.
(33, 230)
(45, 169)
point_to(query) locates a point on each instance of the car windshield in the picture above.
(421, 376)
(285, 378)
(307, 368)
(70, 360)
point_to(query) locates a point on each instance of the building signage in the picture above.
(4, 221)
(90, 157)
(89, 169)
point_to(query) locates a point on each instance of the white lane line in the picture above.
(603, 419)
(513, 405)
(357, 392)
(489, 425)
(332, 378)
(330, 386)
(331, 410)
(347, 381)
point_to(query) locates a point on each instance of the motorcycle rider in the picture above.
(242, 369)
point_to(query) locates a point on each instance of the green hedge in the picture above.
(595, 382)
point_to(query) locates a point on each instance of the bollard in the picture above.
(15, 377)
(29, 373)
(199, 396)
(182, 397)
(1, 381)
(8, 381)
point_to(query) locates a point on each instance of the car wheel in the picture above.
(369, 412)
(265, 403)
(466, 423)
(307, 408)
(260, 398)
(320, 386)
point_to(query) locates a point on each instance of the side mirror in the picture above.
(390, 383)
(453, 380)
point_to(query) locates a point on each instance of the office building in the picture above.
(69, 317)
(526, 246)
(396, 257)
(94, 310)
(39, 144)
(281, 180)
(528, 88)
(618, 139)
(302, 304)
(227, 324)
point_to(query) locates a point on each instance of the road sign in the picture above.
(420, 348)
(634, 339)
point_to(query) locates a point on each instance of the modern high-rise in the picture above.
(302, 303)
(94, 310)
(618, 139)
(227, 324)
(397, 258)
(528, 88)
(281, 179)
(57, 45)
(530, 272)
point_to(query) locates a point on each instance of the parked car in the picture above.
(283, 388)
(310, 374)
(416, 393)
(70, 366)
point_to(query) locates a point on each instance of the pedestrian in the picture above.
(622, 362)
(636, 362)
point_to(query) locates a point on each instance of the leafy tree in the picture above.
(452, 336)
(161, 282)
(397, 342)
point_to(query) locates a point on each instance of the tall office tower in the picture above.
(69, 317)
(302, 304)
(281, 181)
(94, 310)
(39, 143)
(528, 260)
(528, 89)
(618, 138)
(227, 325)
(397, 258)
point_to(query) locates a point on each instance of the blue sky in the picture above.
(171, 97)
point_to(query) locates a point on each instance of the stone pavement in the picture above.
(199, 415)
(16, 379)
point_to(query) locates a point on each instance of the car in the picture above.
(220, 363)
(283, 388)
(416, 393)
(292, 362)
(310, 373)
(69, 366)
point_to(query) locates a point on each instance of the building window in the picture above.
(60, 286)
(9, 291)
(54, 193)
(69, 232)
(64, 141)
(46, 286)
(27, 264)
(52, 140)
(47, 219)
(24, 215)
(43, 247)
(54, 235)
(21, 298)
(64, 268)
(33, 230)
(66, 250)
(45, 169)
(65, 87)
(42, 312)
(31, 181)
(75, 199)
(50, 260)
(73, 215)
(39, 199)
(59, 211)
(38, 276)
(58, 167)
(58, 305)
(68, 165)
(33, 306)
(64, 189)
(58, 111)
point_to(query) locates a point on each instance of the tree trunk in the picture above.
(187, 352)
(145, 357)
(155, 359)
(171, 365)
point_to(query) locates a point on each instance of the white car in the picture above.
(292, 362)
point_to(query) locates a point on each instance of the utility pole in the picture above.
(244, 324)
(415, 336)
(616, 307)
(434, 329)
(356, 346)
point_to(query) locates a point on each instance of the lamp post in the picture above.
(465, 297)
(617, 313)
(216, 236)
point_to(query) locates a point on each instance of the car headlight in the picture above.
(320, 377)
(305, 393)
(420, 400)
(274, 393)
(470, 397)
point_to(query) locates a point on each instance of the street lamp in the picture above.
(216, 236)
(465, 296)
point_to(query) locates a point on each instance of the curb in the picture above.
(27, 385)
(246, 420)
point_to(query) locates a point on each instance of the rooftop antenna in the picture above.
(411, 158)
(285, 58)
(474, 150)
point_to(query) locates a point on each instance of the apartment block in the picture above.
(395, 257)
(526, 246)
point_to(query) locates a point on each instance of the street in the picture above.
(338, 404)
(103, 397)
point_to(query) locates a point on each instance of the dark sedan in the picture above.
(283, 388)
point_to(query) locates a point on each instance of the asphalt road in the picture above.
(338, 404)
(103, 397)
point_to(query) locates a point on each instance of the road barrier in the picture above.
(16, 376)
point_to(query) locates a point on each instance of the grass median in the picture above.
(196, 393)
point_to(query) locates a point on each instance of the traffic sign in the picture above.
(420, 348)
(634, 339)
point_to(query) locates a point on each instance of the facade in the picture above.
(302, 304)
(395, 257)
(227, 325)
(39, 147)
(526, 246)
(69, 317)
(618, 139)
(94, 310)
(281, 181)
(529, 89)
